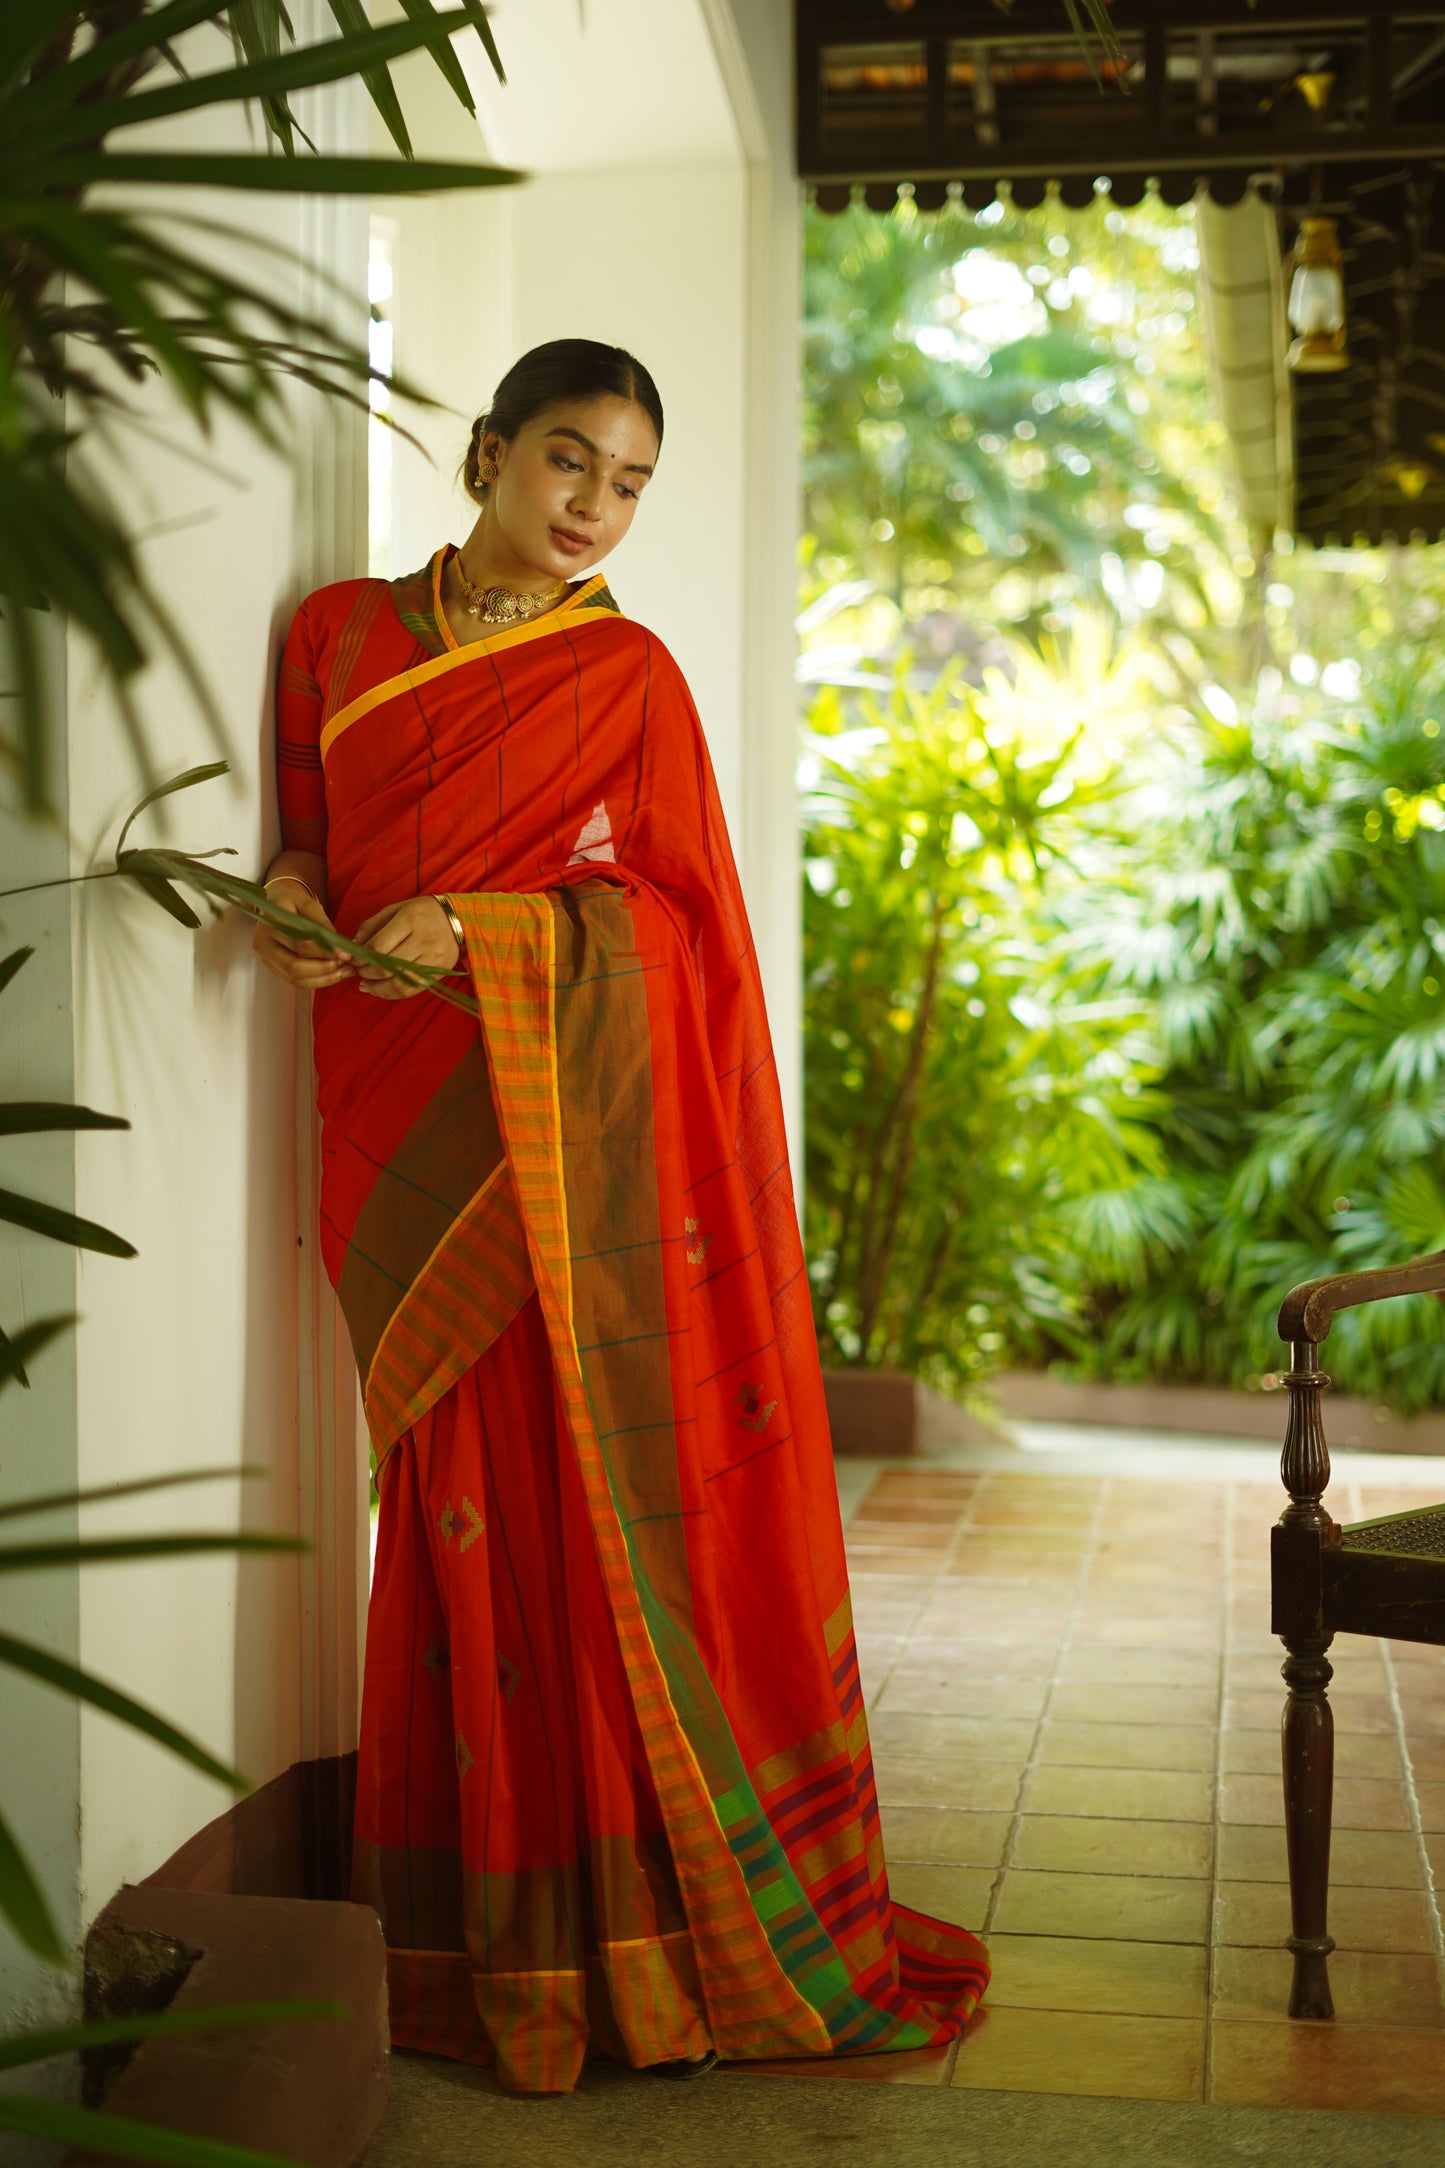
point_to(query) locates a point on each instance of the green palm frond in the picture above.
(27, 1117)
(123, 2137)
(161, 874)
(93, 297)
(17, 1349)
(23, 1904)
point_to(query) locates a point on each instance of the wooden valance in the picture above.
(933, 92)
(1325, 105)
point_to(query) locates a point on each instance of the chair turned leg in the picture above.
(1308, 1748)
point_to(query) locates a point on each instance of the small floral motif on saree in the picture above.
(477, 1524)
(437, 1658)
(698, 1243)
(754, 1413)
(465, 1762)
(508, 1677)
(449, 1524)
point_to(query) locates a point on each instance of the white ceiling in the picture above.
(602, 84)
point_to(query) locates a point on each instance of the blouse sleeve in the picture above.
(300, 782)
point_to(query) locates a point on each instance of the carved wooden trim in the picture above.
(1308, 1310)
(1304, 1466)
(1308, 1756)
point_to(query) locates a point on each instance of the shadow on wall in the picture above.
(268, 1612)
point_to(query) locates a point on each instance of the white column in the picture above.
(753, 43)
(331, 544)
(218, 1344)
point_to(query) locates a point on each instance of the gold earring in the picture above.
(487, 472)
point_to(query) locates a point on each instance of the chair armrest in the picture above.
(1308, 1310)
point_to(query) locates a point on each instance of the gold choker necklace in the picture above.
(499, 605)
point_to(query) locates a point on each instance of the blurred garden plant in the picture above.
(1094, 1078)
(1116, 1032)
(965, 1081)
(1007, 418)
(1283, 913)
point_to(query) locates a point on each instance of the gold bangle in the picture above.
(458, 929)
(296, 882)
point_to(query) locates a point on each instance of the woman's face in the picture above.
(568, 483)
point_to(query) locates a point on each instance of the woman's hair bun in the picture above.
(562, 370)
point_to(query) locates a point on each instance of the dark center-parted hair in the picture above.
(563, 371)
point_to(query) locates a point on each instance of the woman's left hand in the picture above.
(415, 932)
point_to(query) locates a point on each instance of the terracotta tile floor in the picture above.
(1075, 1726)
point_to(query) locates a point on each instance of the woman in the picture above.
(615, 1786)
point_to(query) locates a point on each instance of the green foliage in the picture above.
(22, 1902)
(1283, 910)
(964, 1081)
(94, 296)
(1006, 415)
(1239, 925)
(23, 1905)
(17, 1349)
(1107, 1052)
(123, 2137)
(160, 874)
(156, 873)
(24, 1117)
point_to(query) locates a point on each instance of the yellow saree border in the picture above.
(753, 2006)
(576, 610)
(438, 611)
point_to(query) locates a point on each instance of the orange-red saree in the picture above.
(615, 1786)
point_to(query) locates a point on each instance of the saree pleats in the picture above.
(616, 1791)
(507, 1827)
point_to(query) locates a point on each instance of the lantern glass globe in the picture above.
(1316, 300)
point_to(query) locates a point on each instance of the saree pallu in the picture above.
(615, 1783)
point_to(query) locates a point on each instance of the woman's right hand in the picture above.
(290, 956)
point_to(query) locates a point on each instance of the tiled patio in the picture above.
(1075, 1706)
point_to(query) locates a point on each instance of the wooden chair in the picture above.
(1384, 1577)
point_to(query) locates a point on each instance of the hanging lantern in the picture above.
(1316, 306)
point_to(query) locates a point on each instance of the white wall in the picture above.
(663, 278)
(187, 1354)
(661, 215)
(650, 259)
(210, 1349)
(595, 84)
(752, 41)
(452, 310)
